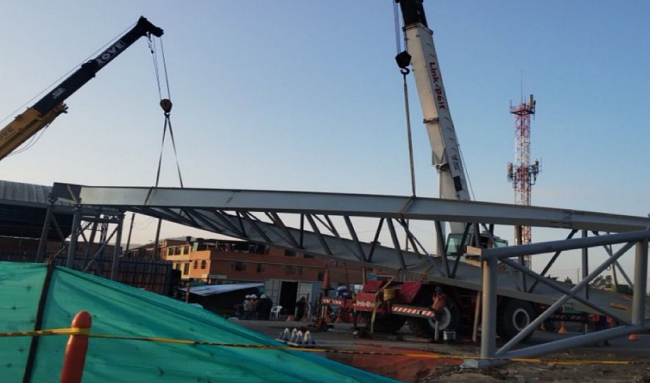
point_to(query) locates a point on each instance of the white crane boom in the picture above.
(435, 107)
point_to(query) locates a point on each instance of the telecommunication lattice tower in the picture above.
(522, 173)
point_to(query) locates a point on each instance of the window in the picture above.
(203, 264)
(260, 268)
(238, 266)
(186, 268)
(320, 276)
(196, 265)
(308, 256)
(290, 253)
(186, 250)
(289, 270)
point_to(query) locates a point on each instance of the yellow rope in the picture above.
(86, 332)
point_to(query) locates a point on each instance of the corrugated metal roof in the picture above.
(18, 193)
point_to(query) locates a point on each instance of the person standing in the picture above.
(247, 307)
(253, 306)
(300, 308)
(264, 307)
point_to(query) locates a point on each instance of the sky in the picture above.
(305, 95)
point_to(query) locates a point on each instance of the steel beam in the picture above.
(640, 282)
(489, 312)
(76, 222)
(572, 342)
(549, 247)
(556, 306)
(551, 262)
(116, 249)
(361, 205)
(565, 291)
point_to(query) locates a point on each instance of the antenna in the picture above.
(522, 173)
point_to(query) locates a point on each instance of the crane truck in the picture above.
(386, 305)
(50, 106)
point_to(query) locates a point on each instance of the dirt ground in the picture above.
(447, 366)
(547, 372)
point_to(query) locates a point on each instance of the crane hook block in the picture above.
(166, 105)
(403, 59)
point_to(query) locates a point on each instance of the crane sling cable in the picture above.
(166, 105)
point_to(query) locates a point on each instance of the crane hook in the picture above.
(166, 105)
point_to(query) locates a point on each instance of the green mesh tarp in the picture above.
(118, 309)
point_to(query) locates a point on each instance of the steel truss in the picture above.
(639, 321)
(86, 225)
(328, 225)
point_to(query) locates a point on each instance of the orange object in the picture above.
(562, 329)
(439, 302)
(75, 352)
(326, 281)
(633, 337)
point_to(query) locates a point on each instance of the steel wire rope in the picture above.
(166, 105)
(407, 110)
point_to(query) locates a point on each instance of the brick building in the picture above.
(215, 261)
(287, 275)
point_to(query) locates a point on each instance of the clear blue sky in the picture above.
(304, 95)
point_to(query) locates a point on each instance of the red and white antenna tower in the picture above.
(523, 173)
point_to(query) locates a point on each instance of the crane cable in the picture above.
(166, 105)
(407, 110)
(405, 71)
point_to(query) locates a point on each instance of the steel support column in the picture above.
(489, 314)
(42, 244)
(116, 248)
(640, 282)
(76, 222)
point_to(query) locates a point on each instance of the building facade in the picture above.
(218, 261)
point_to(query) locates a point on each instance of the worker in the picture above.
(247, 307)
(264, 307)
(300, 308)
(602, 323)
(253, 306)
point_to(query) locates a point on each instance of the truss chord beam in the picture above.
(547, 247)
(355, 238)
(398, 248)
(357, 205)
(555, 306)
